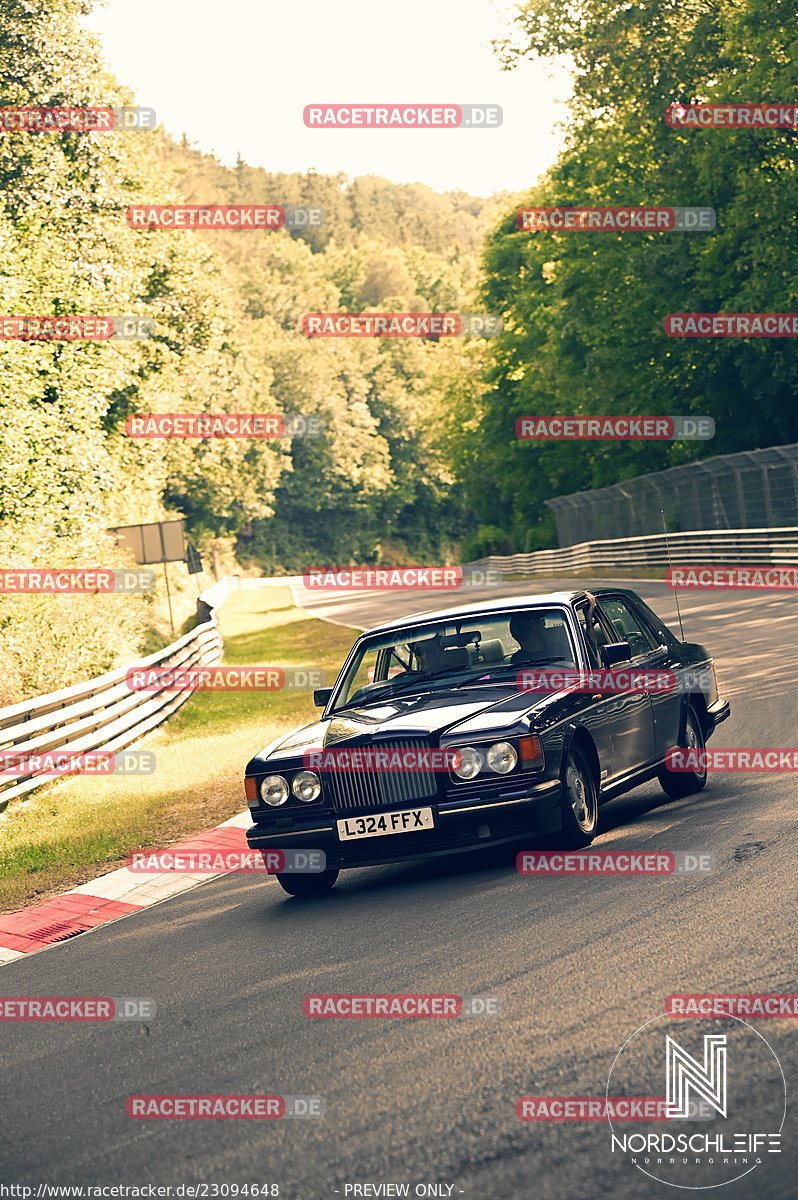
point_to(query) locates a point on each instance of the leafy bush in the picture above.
(488, 539)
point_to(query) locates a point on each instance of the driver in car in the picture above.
(428, 656)
(529, 630)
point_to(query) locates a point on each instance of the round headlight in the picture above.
(306, 786)
(501, 757)
(466, 762)
(274, 790)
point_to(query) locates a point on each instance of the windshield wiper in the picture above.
(516, 667)
(386, 692)
(428, 682)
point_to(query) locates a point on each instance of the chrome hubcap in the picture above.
(693, 742)
(578, 794)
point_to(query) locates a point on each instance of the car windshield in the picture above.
(432, 656)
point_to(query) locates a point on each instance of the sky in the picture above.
(235, 76)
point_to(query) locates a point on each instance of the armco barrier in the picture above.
(102, 713)
(777, 546)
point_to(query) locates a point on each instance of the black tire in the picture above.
(314, 884)
(677, 784)
(579, 801)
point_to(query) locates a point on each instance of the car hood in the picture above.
(464, 712)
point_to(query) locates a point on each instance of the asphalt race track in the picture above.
(579, 963)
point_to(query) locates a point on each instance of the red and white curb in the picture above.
(113, 895)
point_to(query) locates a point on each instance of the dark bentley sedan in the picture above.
(453, 730)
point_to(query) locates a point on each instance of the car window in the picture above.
(365, 671)
(590, 636)
(628, 626)
(601, 630)
(654, 623)
(475, 646)
(394, 661)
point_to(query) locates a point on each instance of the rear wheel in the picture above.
(686, 783)
(307, 885)
(579, 801)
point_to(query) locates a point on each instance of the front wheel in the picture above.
(686, 783)
(579, 801)
(306, 885)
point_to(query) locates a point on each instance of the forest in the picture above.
(418, 461)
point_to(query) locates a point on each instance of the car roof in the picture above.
(532, 600)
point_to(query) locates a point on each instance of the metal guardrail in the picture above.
(102, 713)
(772, 546)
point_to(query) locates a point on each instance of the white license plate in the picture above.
(378, 824)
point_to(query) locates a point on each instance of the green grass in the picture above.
(70, 831)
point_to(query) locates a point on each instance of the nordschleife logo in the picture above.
(726, 1101)
(685, 1074)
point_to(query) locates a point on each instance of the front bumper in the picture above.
(460, 826)
(717, 712)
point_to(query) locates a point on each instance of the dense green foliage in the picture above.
(584, 311)
(226, 308)
(379, 482)
(419, 460)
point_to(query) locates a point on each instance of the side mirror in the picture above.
(321, 696)
(615, 652)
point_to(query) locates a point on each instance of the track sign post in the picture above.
(156, 542)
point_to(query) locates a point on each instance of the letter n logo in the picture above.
(685, 1073)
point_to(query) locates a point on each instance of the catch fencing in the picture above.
(752, 489)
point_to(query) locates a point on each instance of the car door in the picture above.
(599, 714)
(629, 710)
(666, 705)
(648, 655)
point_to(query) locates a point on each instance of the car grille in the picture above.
(380, 789)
